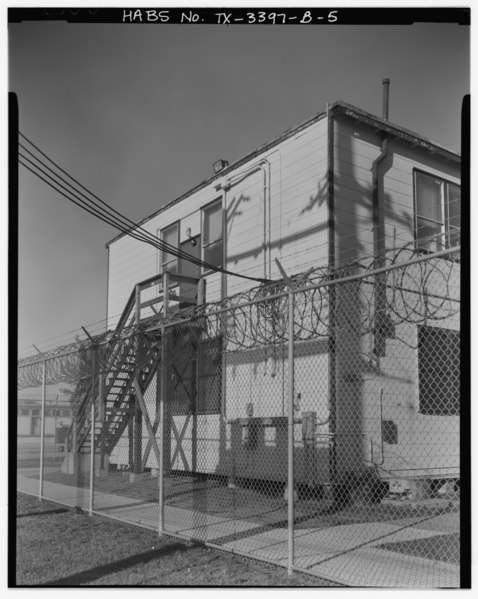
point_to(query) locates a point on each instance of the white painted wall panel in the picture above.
(297, 174)
(296, 233)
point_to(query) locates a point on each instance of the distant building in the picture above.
(58, 412)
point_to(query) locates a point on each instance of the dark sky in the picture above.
(138, 114)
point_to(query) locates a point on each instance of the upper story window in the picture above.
(170, 235)
(437, 213)
(212, 234)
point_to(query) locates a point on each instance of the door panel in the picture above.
(192, 247)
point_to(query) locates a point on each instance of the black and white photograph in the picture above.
(236, 349)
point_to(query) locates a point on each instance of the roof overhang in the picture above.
(337, 108)
(385, 126)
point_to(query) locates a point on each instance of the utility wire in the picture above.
(142, 235)
(108, 214)
(111, 218)
(105, 218)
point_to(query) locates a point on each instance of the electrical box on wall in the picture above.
(250, 435)
(309, 424)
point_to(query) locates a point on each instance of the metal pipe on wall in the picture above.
(332, 375)
(379, 233)
(377, 207)
(262, 164)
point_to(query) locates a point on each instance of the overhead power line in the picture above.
(101, 210)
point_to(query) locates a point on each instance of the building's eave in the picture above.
(386, 126)
(277, 140)
(336, 108)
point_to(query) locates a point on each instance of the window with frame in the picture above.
(212, 234)
(437, 212)
(438, 371)
(170, 235)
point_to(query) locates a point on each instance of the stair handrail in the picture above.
(82, 414)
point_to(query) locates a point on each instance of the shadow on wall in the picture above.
(277, 244)
(354, 239)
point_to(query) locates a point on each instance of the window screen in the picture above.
(438, 371)
(170, 235)
(437, 207)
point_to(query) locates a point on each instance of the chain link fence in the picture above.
(311, 423)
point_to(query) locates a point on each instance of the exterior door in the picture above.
(192, 247)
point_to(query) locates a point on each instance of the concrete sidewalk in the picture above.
(347, 554)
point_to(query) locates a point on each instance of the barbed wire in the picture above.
(415, 293)
(410, 292)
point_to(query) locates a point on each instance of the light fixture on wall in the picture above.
(220, 165)
(188, 233)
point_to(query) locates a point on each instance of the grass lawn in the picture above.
(58, 546)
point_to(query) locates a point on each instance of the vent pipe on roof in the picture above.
(386, 85)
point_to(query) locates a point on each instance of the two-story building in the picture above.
(342, 186)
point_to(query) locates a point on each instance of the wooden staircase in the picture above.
(130, 353)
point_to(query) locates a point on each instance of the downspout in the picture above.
(226, 184)
(224, 243)
(331, 258)
(267, 205)
(377, 206)
(379, 233)
(223, 317)
(264, 166)
(107, 287)
(264, 242)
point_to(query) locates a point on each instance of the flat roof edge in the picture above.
(390, 127)
(263, 148)
(337, 107)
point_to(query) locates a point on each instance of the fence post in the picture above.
(102, 416)
(162, 393)
(290, 438)
(92, 430)
(42, 430)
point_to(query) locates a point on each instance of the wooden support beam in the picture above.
(175, 277)
(184, 299)
(147, 421)
(151, 302)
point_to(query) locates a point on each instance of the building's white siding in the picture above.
(276, 206)
(398, 183)
(355, 149)
(30, 426)
(426, 444)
